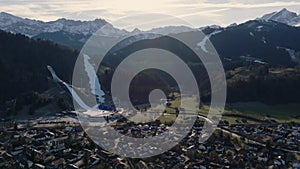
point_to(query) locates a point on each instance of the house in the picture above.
(29, 163)
(202, 147)
(253, 147)
(22, 163)
(49, 158)
(141, 165)
(57, 144)
(71, 158)
(16, 135)
(3, 141)
(296, 165)
(72, 166)
(219, 149)
(279, 140)
(79, 164)
(279, 162)
(36, 154)
(104, 155)
(262, 158)
(296, 133)
(94, 160)
(58, 164)
(40, 137)
(38, 166)
(296, 127)
(17, 151)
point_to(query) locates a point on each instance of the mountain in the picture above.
(75, 33)
(259, 42)
(283, 16)
(74, 41)
(264, 42)
(63, 31)
(212, 27)
(251, 45)
(28, 27)
(72, 33)
(256, 76)
(23, 64)
(169, 30)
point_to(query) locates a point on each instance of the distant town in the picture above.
(62, 143)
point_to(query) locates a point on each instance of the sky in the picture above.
(196, 12)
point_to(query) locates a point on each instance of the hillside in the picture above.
(266, 42)
(23, 64)
(247, 80)
(245, 49)
(264, 84)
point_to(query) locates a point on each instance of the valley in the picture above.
(46, 123)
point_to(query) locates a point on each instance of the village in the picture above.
(64, 144)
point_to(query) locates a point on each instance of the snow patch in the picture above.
(249, 58)
(259, 28)
(293, 54)
(260, 62)
(202, 44)
(228, 59)
(263, 39)
(69, 88)
(94, 81)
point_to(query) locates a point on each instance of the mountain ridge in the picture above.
(283, 16)
(74, 33)
(29, 27)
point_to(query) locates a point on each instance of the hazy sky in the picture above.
(197, 12)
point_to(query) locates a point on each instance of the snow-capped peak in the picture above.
(232, 25)
(170, 30)
(7, 19)
(33, 28)
(136, 31)
(283, 16)
(4, 14)
(15, 24)
(110, 31)
(211, 27)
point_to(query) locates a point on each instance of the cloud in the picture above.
(237, 4)
(197, 12)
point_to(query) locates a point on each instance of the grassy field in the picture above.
(253, 112)
(281, 113)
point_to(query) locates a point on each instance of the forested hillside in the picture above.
(23, 64)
